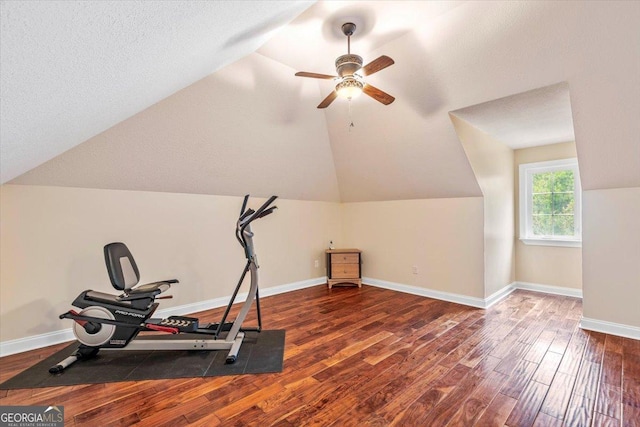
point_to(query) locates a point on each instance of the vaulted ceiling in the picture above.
(201, 97)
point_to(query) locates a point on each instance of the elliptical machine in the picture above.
(111, 322)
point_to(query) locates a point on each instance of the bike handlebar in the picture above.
(267, 212)
(262, 208)
(247, 216)
(244, 205)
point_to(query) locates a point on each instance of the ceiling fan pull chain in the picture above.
(351, 125)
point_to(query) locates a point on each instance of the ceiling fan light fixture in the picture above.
(349, 88)
(351, 75)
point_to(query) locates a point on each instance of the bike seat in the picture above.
(124, 274)
(149, 290)
(102, 297)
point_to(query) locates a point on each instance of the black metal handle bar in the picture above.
(249, 215)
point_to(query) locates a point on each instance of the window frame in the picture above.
(526, 172)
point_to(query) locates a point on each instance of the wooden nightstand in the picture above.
(343, 266)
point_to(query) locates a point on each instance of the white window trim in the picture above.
(525, 213)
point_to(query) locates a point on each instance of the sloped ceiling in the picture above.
(72, 69)
(223, 135)
(529, 119)
(224, 132)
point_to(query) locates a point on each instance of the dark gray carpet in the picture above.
(260, 353)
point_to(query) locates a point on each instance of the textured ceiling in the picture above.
(505, 65)
(537, 117)
(314, 39)
(71, 69)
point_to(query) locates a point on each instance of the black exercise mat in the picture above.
(260, 353)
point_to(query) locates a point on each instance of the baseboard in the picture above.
(275, 290)
(610, 328)
(182, 310)
(20, 345)
(424, 292)
(43, 340)
(548, 289)
(499, 295)
(474, 301)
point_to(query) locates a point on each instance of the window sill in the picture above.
(552, 242)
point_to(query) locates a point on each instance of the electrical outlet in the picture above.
(415, 269)
(317, 263)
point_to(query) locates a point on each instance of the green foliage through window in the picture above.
(553, 203)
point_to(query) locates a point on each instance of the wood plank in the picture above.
(544, 420)
(127, 405)
(557, 400)
(548, 368)
(612, 368)
(573, 354)
(561, 341)
(526, 410)
(579, 412)
(238, 405)
(449, 405)
(514, 358)
(372, 356)
(498, 411)
(396, 405)
(595, 347)
(630, 391)
(601, 420)
(609, 401)
(478, 399)
(631, 416)
(174, 414)
(631, 365)
(540, 346)
(587, 380)
(416, 412)
(519, 379)
(613, 344)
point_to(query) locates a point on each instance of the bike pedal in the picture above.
(182, 323)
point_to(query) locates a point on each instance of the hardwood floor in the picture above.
(376, 357)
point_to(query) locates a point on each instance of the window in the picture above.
(550, 204)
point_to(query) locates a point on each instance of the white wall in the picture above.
(611, 255)
(492, 164)
(442, 237)
(51, 241)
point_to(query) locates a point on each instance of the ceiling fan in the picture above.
(351, 74)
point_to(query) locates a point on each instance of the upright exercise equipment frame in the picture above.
(112, 322)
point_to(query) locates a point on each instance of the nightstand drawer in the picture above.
(343, 267)
(345, 258)
(345, 271)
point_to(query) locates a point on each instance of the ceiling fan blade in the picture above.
(378, 95)
(328, 100)
(314, 75)
(376, 65)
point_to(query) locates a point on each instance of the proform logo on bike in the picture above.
(128, 313)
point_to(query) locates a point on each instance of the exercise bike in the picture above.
(111, 322)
